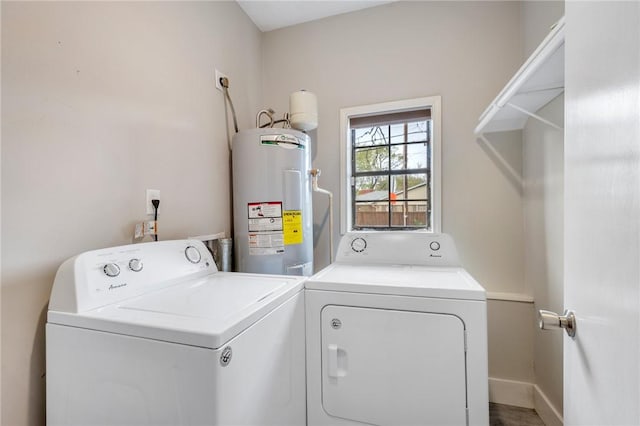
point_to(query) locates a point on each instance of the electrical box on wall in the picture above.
(219, 75)
(152, 194)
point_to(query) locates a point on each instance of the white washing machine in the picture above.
(396, 335)
(152, 334)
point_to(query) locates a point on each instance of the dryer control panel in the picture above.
(101, 277)
(398, 248)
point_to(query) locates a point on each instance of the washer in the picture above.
(152, 334)
(396, 335)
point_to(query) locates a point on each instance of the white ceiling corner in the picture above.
(270, 15)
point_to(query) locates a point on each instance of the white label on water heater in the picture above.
(265, 209)
(265, 216)
(266, 235)
(265, 224)
(262, 244)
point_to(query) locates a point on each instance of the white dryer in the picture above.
(396, 335)
(152, 334)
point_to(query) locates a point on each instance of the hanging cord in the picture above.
(156, 204)
(224, 81)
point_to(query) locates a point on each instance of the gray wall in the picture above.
(543, 153)
(463, 51)
(101, 101)
(543, 212)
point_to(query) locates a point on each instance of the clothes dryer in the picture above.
(396, 335)
(152, 334)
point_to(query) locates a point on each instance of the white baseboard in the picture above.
(547, 412)
(511, 392)
(526, 395)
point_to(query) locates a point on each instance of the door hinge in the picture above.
(467, 415)
(465, 341)
(353, 181)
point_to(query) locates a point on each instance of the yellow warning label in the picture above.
(292, 227)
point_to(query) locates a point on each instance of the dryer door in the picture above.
(391, 368)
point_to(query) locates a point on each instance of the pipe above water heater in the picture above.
(314, 185)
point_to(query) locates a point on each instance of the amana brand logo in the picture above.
(114, 286)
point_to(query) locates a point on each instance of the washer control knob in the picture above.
(193, 254)
(111, 270)
(434, 245)
(136, 265)
(358, 245)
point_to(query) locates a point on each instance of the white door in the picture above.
(602, 213)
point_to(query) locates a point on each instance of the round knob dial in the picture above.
(111, 270)
(358, 245)
(136, 265)
(434, 245)
(193, 254)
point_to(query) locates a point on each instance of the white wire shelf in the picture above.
(536, 83)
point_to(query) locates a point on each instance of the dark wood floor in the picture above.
(508, 415)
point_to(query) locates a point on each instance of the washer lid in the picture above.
(206, 312)
(400, 280)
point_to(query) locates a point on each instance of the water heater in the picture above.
(273, 224)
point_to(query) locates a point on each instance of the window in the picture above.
(391, 166)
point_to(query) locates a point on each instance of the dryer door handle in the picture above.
(336, 361)
(332, 361)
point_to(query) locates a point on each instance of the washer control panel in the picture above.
(398, 247)
(105, 276)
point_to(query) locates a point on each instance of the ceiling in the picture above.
(273, 14)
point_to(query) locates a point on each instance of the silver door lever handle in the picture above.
(548, 320)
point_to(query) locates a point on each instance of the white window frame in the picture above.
(431, 102)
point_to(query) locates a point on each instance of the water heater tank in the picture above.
(273, 224)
